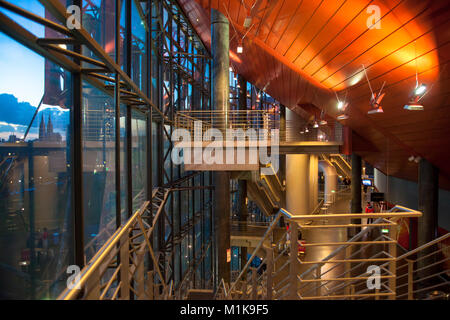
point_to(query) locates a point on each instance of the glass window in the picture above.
(99, 185)
(35, 174)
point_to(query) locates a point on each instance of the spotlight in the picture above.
(420, 90)
(306, 130)
(417, 159)
(302, 132)
(375, 98)
(413, 107)
(411, 159)
(316, 125)
(377, 110)
(342, 105)
(247, 22)
(342, 117)
(231, 69)
(323, 122)
(240, 49)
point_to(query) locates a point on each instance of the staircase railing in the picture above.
(117, 270)
(343, 273)
(425, 269)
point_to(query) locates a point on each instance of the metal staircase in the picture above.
(343, 272)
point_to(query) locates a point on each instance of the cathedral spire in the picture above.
(42, 132)
(49, 127)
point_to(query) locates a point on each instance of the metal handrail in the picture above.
(258, 247)
(425, 246)
(98, 258)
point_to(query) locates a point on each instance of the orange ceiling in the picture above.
(301, 51)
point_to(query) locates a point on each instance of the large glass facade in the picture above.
(66, 118)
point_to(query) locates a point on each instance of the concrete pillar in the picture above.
(297, 183)
(356, 183)
(428, 186)
(297, 175)
(219, 92)
(313, 181)
(428, 201)
(330, 175)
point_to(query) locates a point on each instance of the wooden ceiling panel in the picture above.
(301, 51)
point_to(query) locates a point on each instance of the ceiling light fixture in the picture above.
(375, 98)
(322, 120)
(420, 90)
(342, 106)
(240, 48)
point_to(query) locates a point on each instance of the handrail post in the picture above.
(269, 273)
(410, 279)
(92, 287)
(254, 284)
(393, 262)
(140, 276)
(347, 267)
(293, 265)
(318, 283)
(124, 269)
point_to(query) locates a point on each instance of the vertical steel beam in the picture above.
(77, 159)
(220, 93)
(117, 114)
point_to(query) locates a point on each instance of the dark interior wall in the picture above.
(405, 193)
